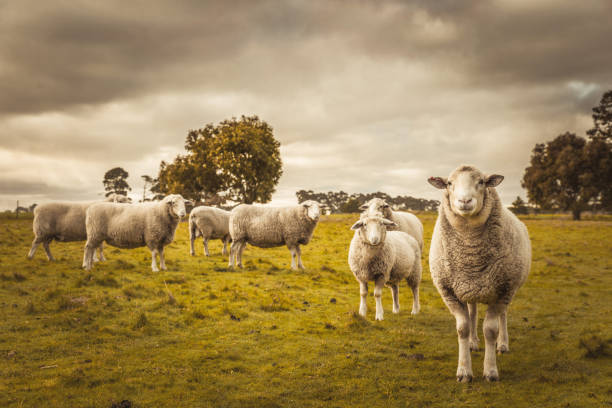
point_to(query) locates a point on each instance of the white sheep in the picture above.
(385, 257)
(480, 253)
(64, 222)
(144, 224)
(209, 223)
(407, 222)
(268, 227)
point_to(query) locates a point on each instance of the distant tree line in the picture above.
(572, 173)
(342, 202)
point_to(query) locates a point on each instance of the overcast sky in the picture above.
(363, 95)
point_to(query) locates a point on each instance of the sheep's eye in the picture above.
(449, 183)
(480, 182)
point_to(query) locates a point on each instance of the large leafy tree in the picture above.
(602, 119)
(599, 151)
(115, 181)
(560, 175)
(238, 159)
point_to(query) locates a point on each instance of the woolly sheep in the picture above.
(209, 223)
(64, 222)
(407, 222)
(268, 227)
(480, 253)
(144, 224)
(385, 258)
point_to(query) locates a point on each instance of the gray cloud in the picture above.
(364, 96)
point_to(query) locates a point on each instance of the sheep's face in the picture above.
(377, 206)
(373, 230)
(176, 205)
(313, 209)
(466, 188)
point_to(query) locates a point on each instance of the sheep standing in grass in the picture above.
(144, 224)
(267, 227)
(405, 221)
(63, 222)
(209, 223)
(385, 257)
(480, 253)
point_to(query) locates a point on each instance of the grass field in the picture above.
(199, 335)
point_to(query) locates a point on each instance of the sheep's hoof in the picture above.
(192, 253)
(491, 378)
(463, 376)
(379, 317)
(414, 311)
(396, 311)
(502, 348)
(474, 345)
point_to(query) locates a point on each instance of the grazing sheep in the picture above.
(209, 223)
(64, 222)
(407, 222)
(144, 224)
(480, 253)
(268, 227)
(385, 258)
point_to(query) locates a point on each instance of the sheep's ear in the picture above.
(357, 225)
(363, 207)
(493, 180)
(385, 205)
(438, 182)
(389, 223)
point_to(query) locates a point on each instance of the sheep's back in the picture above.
(410, 224)
(216, 219)
(259, 226)
(64, 222)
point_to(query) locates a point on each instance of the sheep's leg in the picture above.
(101, 252)
(298, 250)
(293, 257)
(206, 247)
(363, 292)
(474, 340)
(379, 284)
(162, 258)
(233, 254)
(48, 250)
(462, 317)
(490, 328)
(395, 296)
(191, 240)
(502, 339)
(35, 245)
(88, 254)
(241, 248)
(225, 242)
(416, 305)
(153, 260)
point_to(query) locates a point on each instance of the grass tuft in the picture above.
(596, 347)
(141, 321)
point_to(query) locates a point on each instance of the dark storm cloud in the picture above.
(58, 54)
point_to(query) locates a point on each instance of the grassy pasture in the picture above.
(199, 335)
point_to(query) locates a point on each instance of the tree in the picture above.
(237, 159)
(560, 175)
(518, 206)
(602, 119)
(115, 181)
(350, 206)
(599, 151)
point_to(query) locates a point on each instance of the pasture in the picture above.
(199, 335)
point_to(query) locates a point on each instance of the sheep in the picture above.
(64, 222)
(267, 227)
(480, 253)
(144, 224)
(209, 223)
(405, 221)
(385, 257)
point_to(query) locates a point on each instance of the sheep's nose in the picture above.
(374, 240)
(466, 201)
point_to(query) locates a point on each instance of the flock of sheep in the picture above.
(480, 252)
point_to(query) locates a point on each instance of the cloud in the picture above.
(363, 96)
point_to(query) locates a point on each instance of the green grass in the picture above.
(199, 335)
